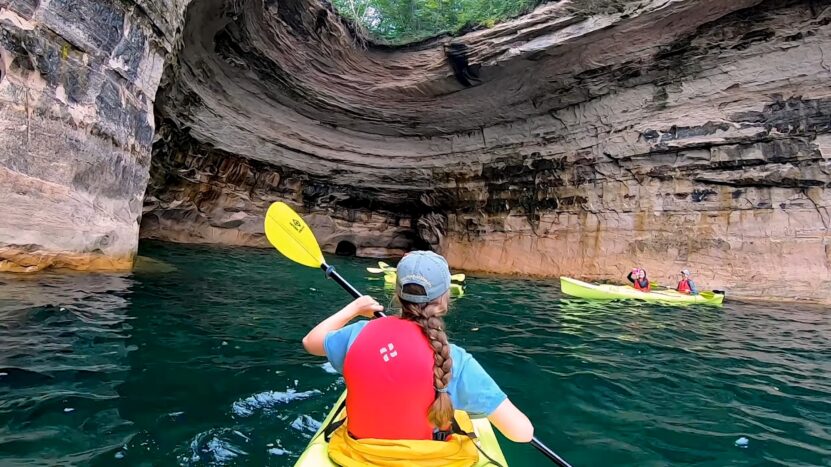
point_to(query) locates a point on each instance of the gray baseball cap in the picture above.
(426, 269)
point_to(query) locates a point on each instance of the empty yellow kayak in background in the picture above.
(456, 290)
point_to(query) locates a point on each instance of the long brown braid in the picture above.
(429, 317)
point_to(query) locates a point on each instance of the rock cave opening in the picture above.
(346, 248)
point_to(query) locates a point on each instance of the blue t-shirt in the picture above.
(471, 389)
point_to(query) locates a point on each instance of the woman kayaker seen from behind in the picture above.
(686, 285)
(639, 280)
(403, 378)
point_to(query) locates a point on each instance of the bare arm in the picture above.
(512, 423)
(361, 306)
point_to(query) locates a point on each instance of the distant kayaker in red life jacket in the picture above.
(403, 378)
(639, 280)
(686, 285)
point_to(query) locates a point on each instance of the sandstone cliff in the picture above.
(595, 135)
(78, 80)
(666, 134)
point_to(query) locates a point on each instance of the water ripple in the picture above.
(267, 401)
(216, 447)
(63, 353)
(200, 363)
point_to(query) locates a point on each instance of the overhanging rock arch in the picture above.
(625, 118)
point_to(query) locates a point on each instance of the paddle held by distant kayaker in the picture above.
(686, 285)
(403, 378)
(639, 280)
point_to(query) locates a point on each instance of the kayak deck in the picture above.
(577, 288)
(317, 452)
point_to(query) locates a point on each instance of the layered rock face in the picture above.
(713, 156)
(77, 83)
(582, 139)
(663, 134)
(198, 194)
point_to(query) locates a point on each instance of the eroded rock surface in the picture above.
(585, 138)
(77, 83)
(202, 195)
(667, 134)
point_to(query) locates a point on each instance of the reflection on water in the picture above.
(195, 359)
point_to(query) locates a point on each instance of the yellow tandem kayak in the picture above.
(581, 289)
(317, 452)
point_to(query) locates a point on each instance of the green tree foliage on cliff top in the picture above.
(404, 21)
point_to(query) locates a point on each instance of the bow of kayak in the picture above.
(580, 289)
(316, 453)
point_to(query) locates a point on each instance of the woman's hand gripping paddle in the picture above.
(288, 232)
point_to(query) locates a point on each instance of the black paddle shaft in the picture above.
(549, 453)
(332, 274)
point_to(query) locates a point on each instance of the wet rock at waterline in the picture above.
(667, 134)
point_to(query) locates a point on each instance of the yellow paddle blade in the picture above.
(288, 232)
(458, 278)
(384, 265)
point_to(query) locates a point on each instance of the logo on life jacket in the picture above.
(392, 352)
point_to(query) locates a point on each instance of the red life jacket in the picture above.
(389, 380)
(637, 285)
(684, 286)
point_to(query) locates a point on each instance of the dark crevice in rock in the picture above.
(345, 248)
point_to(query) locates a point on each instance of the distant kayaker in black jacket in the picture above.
(639, 280)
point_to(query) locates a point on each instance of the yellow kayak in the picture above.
(581, 289)
(317, 452)
(456, 289)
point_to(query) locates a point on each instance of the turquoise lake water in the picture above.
(201, 364)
